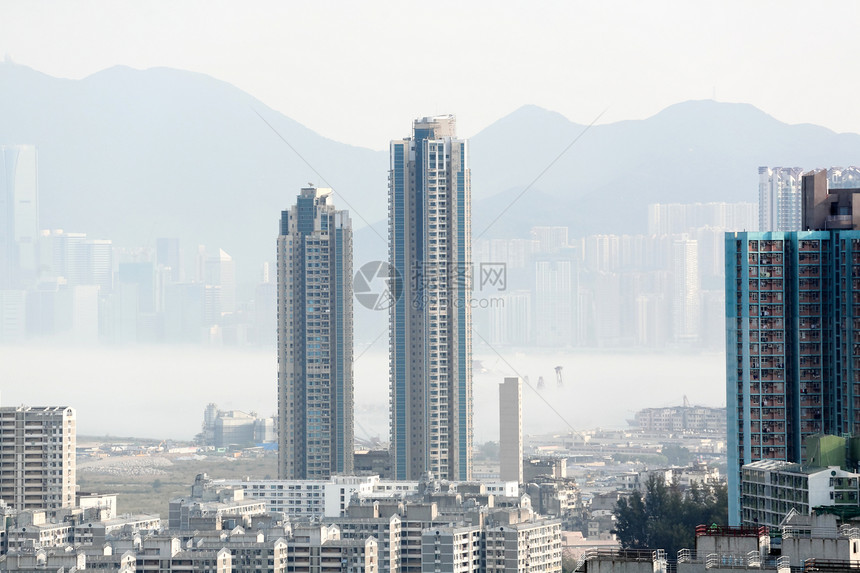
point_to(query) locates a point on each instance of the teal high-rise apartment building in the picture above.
(431, 318)
(315, 322)
(793, 332)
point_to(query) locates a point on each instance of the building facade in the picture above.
(522, 545)
(793, 332)
(779, 190)
(331, 498)
(771, 489)
(37, 457)
(686, 300)
(685, 418)
(315, 321)
(430, 317)
(511, 430)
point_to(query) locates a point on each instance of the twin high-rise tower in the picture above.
(315, 378)
(430, 318)
(429, 246)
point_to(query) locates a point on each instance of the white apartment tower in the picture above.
(430, 255)
(37, 457)
(779, 198)
(550, 239)
(686, 303)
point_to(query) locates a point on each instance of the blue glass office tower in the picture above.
(315, 376)
(793, 332)
(431, 319)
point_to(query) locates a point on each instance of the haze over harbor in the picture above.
(167, 388)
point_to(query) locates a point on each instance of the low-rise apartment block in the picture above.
(771, 489)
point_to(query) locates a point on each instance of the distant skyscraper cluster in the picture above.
(793, 328)
(19, 216)
(678, 218)
(660, 289)
(68, 286)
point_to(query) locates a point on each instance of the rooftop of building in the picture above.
(36, 409)
(789, 467)
(316, 192)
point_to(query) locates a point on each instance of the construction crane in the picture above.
(558, 379)
(368, 441)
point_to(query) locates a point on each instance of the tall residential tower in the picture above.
(315, 378)
(429, 210)
(37, 457)
(793, 332)
(779, 198)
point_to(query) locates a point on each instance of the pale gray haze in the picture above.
(354, 71)
(357, 73)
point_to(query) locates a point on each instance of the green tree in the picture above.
(568, 563)
(631, 521)
(666, 517)
(488, 451)
(677, 455)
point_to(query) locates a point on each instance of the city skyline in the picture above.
(646, 301)
(577, 301)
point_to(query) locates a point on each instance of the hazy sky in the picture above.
(360, 71)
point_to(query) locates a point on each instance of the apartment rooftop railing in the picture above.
(751, 560)
(732, 531)
(830, 565)
(625, 554)
(799, 531)
(657, 557)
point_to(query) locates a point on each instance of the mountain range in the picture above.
(132, 155)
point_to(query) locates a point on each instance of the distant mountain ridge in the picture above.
(696, 151)
(132, 155)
